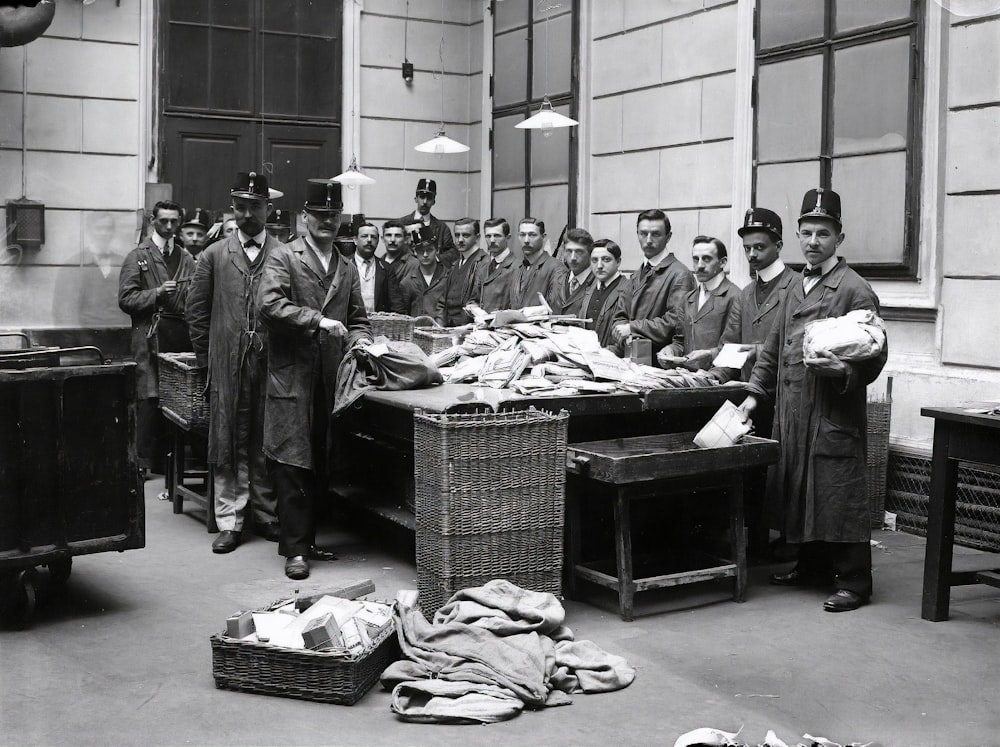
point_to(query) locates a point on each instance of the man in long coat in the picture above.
(493, 275)
(579, 278)
(152, 289)
(538, 272)
(459, 286)
(818, 485)
(229, 339)
(310, 301)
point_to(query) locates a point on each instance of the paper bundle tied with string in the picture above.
(726, 428)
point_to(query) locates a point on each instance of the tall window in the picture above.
(837, 106)
(534, 55)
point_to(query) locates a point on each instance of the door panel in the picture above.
(297, 153)
(203, 156)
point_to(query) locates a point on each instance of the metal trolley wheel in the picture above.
(59, 570)
(18, 601)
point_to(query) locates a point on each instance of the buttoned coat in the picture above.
(295, 294)
(459, 287)
(493, 286)
(143, 271)
(702, 327)
(395, 272)
(447, 251)
(604, 321)
(652, 304)
(573, 302)
(227, 333)
(420, 298)
(545, 275)
(816, 491)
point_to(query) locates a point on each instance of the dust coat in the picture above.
(545, 275)
(603, 320)
(459, 287)
(226, 332)
(417, 296)
(702, 328)
(143, 271)
(573, 302)
(816, 491)
(652, 305)
(492, 290)
(295, 294)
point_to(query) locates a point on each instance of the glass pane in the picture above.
(509, 204)
(856, 14)
(780, 188)
(277, 96)
(318, 79)
(193, 11)
(510, 13)
(510, 68)
(186, 60)
(551, 204)
(231, 12)
(318, 17)
(279, 15)
(873, 199)
(551, 72)
(788, 21)
(790, 109)
(229, 80)
(871, 96)
(550, 153)
(508, 153)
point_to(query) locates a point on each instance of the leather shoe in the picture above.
(269, 531)
(297, 567)
(227, 541)
(843, 600)
(797, 577)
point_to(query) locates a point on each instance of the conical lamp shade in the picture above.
(441, 143)
(353, 176)
(546, 119)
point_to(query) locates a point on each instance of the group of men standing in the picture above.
(270, 322)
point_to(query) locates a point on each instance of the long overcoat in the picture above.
(817, 489)
(226, 332)
(295, 294)
(459, 288)
(492, 287)
(605, 317)
(701, 328)
(143, 271)
(651, 304)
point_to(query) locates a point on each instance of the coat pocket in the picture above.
(834, 440)
(281, 382)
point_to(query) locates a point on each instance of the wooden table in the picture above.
(959, 436)
(178, 491)
(660, 467)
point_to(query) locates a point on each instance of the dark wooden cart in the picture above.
(69, 480)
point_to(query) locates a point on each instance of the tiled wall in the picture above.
(395, 116)
(81, 158)
(662, 116)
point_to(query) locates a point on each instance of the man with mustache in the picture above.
(539, 272)
(459, 286)
(493, 275)
(310, 300)
(425, 197)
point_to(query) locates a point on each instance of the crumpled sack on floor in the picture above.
(497, 635)
(445, 702)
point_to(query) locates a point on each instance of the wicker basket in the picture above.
(397, 327)
(877, 454)
(485, 512)
(182, 387)
(324, 676)
(435, 339)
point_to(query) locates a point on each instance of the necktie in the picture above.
(574, 284)
(368, 269)
(250, 243)
(461, 263)
(808, 272)
(643, 271)
(166, 251)
(494, 265)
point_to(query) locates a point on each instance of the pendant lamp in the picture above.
(353, 177)
(441, 143)
(547, 118)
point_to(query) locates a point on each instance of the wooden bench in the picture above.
(178, 474)
(659, 467)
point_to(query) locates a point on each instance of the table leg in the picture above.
(573, 486)
(175, 470)
(738, 533)
(623, 546)
(940, 527)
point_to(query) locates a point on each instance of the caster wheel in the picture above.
(19, 601)
(59, 570)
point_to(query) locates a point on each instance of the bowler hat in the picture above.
(279, 217)
(251, 185)
(323, 195)
(821, 203)
(427, 186)
(761, 219)
(199, 217)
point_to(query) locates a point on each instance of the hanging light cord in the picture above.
(406, 28)
(441, 61)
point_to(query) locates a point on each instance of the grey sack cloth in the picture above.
(393, 366)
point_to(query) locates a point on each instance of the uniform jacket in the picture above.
(652, 305)
(447, 251)
(603, 322)
(546, 275)
(816, 491)
(418, 297)
(702, 328)
(492, 290)
(573, 302)
(143, 271)
(226, 332)
(295, 294)
(459, 287)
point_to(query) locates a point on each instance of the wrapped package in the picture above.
(859, 335)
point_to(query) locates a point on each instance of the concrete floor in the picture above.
(121, 656)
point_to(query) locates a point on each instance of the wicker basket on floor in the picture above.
(182, 388)
(435, 339)
(324, 676)
(398, 327)
(877, 454)
(486, 511)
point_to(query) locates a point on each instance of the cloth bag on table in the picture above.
(392, 366)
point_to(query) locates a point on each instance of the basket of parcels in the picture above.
(435, 339)
(484, 513)
(182, 388)
(397, 327)
(332, 651)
